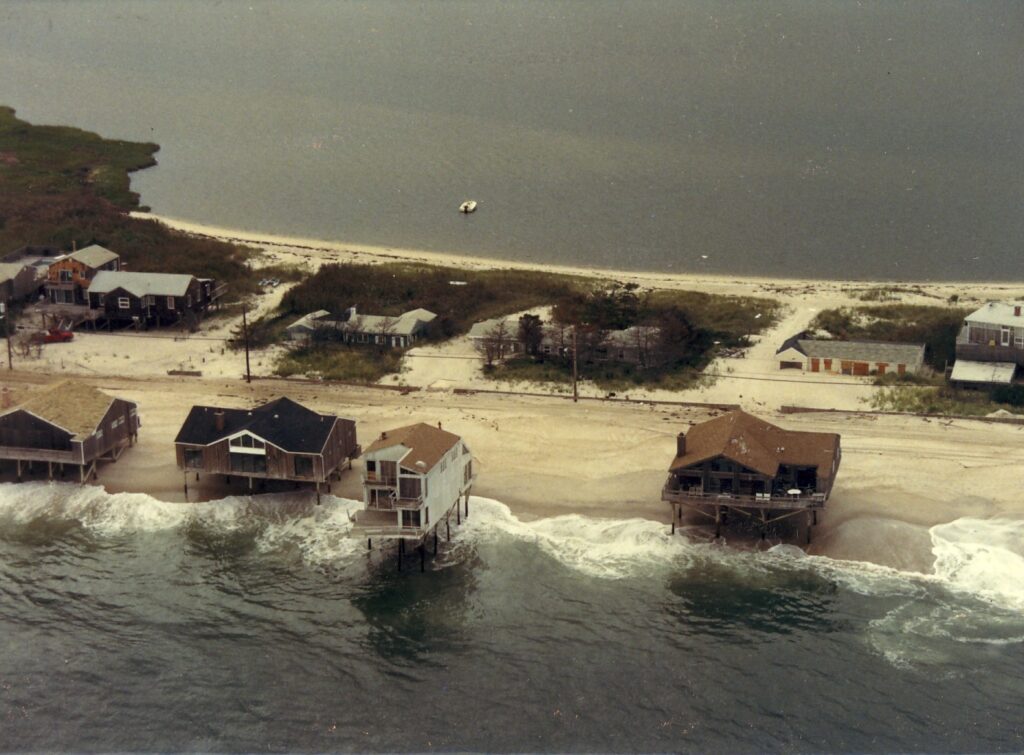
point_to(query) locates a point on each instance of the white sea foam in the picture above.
(980, 558)
(608, 548)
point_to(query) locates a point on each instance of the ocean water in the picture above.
(258, 624)
(826, 139)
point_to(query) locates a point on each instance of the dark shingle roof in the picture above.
(282, 422)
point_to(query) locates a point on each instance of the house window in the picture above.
(371, 465)
(66, 276)
(122, 302)
(247, 441)
(170, 302)
(99, 434)
(117, 423)
(150, 300)
(410, 518)
(188, 300)
(303, 466)
(193, 458)
(248, 463)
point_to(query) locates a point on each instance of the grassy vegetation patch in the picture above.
(730, 318)
(938, 400)
(458, 297)
(934, 326)
(339, 362)
(608, 376)
(61, 186)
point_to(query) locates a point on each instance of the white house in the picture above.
(413, 477)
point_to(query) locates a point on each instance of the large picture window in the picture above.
(248, 463)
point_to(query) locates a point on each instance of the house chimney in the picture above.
(681, 444)
(384, 435)
(5, 399)
(218, 420)
(438, 425)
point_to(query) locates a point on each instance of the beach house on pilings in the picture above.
(281, 440)
(66, 426)
(413, 480)
(739, 464)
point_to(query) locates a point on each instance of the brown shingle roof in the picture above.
(757, 445)
(76, 407)
(425, 443)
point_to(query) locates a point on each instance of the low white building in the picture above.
(354, 327)
(413, 478)
(850, 357)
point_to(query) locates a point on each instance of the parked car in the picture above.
(57, 335)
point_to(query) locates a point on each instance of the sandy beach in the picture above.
(547, 456)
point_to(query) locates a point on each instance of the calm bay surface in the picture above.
(825, 139)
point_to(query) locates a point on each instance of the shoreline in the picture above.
(545, 457)
(352, 251)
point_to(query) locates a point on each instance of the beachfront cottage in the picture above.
(990, 345)
(281, 440)
(355, 328)
(69, 278)
(498, 337)
(413, 479)
(152, 298)
(850, 357)
(737, 462)
(65, 425)
(17, 281)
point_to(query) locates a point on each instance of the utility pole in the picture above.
(5, 312)
(245, 332)
(575, 374)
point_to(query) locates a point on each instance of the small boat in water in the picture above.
(468, 206)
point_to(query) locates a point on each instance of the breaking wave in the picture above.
(974, 594)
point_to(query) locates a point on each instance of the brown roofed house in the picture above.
(413, 478)
(739, 462)
(67, 423)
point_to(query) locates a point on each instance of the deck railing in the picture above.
(673, 493)
(14, 453)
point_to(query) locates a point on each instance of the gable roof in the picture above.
(94, 255)
(998, 313)
(483, 328)
(285, 423)
(76, 407)
(11, 270)
(863, 351)
(793, 342)
(425, 442)
(757, 445)
(307, 322)
(141, 284)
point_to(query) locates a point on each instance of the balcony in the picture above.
(375, 523)
(14, 453)
(804, 499)
(378, 480)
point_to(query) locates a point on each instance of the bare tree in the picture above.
(383, 330)
(495, 344)
(646, 341)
